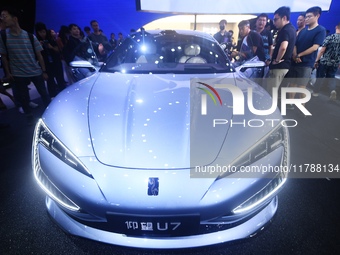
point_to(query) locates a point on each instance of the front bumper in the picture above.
(244, 230)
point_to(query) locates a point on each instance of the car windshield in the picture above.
(168, 52)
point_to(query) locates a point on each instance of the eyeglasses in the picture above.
(309, 16)
(276, 19)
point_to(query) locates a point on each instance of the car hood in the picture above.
(152, 121)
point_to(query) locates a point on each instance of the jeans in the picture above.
(325, 73)
(21, 92)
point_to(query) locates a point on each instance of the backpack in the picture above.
(4, 39)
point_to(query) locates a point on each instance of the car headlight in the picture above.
(278, 137)
(43, 136)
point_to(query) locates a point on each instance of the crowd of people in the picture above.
(292, 53)
(49, 60)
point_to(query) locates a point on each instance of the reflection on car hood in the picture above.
(143, 121)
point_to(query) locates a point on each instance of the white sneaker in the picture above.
(333, 95)
(33, 105)
(21, 110)
(315, 94)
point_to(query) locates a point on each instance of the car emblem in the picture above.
(153, 186)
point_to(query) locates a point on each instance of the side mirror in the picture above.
(82, 64)
(252, 64)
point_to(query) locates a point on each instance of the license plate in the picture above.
(179, 225)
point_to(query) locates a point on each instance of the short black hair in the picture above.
(72, 25)
(283, 11)
(40, 26)
(87, 28)
(315, 10)
(224, 21)
(243, 23)
(262, 15)
(12, 11)
(93, 21)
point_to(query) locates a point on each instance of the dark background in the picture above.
(114, 15)
(27, 8)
